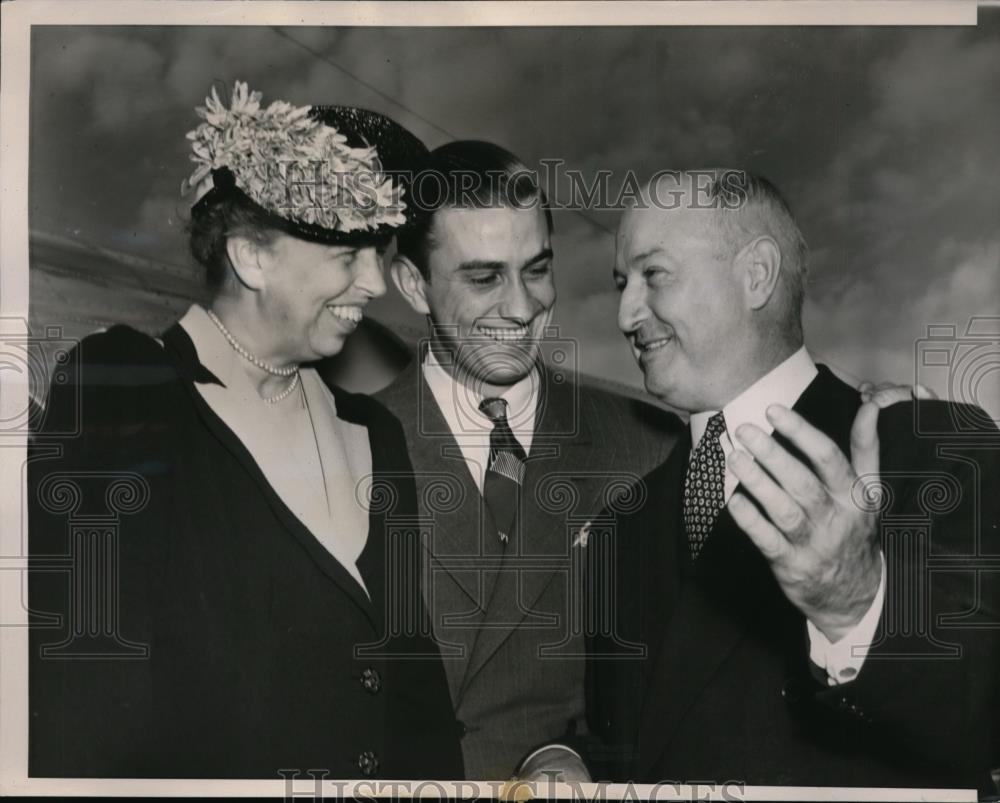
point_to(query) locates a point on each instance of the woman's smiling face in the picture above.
(314, 295)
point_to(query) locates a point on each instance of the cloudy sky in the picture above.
(883, 139)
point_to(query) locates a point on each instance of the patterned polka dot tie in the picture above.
(505, 472)
(704, 487)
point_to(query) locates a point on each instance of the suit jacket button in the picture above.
(792, 690)
(368, 763)
(461, 727)
(371, 681)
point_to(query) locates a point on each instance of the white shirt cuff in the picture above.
(842, 660)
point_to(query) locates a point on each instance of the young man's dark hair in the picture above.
(467, 174)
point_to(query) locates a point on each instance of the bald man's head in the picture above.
(733, 207)
(710, 266)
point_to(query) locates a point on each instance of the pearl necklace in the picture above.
(284, 394)
(251, 358)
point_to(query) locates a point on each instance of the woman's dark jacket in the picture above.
(185, 623)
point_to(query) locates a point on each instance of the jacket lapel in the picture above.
(453, 514)
(705, 625)
(561, 452)
(182, 352)
(386, 466)
(829, 405)
(447, 492)
(661, 552)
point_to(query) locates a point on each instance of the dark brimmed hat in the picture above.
(330, 174)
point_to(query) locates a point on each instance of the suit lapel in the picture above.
(661, 552)
(561, 452)
(829, 405)
(705, 625)
(455, 522)
(181, 350)
(438, 459)
(372, 562)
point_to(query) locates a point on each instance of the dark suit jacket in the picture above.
(509, 624)
(726, 690)
(221, 639)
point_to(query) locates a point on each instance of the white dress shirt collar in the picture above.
(782, 385)
(471, 427)
(460, 404)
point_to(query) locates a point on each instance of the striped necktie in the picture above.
(505, 472)
(704, 487)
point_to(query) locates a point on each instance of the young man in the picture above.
(512, 455)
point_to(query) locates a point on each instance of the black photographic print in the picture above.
(501, 400)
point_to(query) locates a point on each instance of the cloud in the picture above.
(262, 56)
(937, 78)
(869, 333)
(161, 219)
(882, 138)
(584, 256)
(904, 229)
(118, 75)
(591, 322)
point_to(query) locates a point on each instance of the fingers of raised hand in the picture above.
(886, 394)
(768, 539)
(780, 507)
(797, 480)
(832, 466)
(886, 397)
(869, 389)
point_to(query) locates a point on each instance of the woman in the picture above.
(237, 608)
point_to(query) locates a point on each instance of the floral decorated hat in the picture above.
(332, 174)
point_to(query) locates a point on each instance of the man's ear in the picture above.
(761, 263)
(245, 257)
(410, 283)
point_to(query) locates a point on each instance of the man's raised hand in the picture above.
(819, 534)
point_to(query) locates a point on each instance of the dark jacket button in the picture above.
(793, 690)
(368, 763)
(461, 727)
(371, 681)
(859, 712)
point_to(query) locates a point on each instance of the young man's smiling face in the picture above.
(490, 290)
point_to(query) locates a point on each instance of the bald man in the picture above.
(801, 621)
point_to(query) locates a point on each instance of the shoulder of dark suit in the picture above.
(918, 431)
(642, 419)
(120, 345)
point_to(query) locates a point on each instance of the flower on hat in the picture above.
(291, 164)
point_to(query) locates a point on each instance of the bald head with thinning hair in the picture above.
(710, 266)
(742, 206)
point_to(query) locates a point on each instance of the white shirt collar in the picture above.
(460, 405)
(782, 385)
